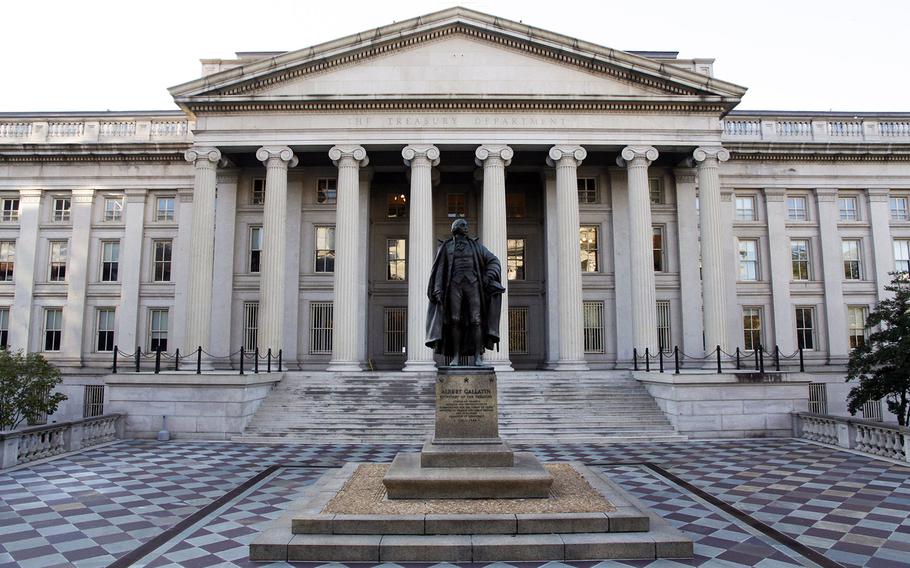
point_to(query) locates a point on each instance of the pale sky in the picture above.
(792, 54)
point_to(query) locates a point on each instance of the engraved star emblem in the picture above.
(466, 380)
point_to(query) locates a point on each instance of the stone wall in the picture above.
(729, 405)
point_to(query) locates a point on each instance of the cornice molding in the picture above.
(793, 157)
(47, 158)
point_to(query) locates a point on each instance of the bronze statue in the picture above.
(465, 294)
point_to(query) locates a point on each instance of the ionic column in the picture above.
(74, 316)
(690, 280)
(566, 160)
(421, 159)
(20, 316)
(277, 160)
(223, 273)
(641, 233)
(346, 337)
(495, 159)
(712, 266)
(202, 248)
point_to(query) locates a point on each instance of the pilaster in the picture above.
(552, 262)
(781, 270)
(74, 316)
(182, 263)
(24, 269)
(882, 245)
(127, 335)
(833, 273)
(223, 270)
(689, 277)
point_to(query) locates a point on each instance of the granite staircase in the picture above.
(382, 407)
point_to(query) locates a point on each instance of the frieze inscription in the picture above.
(462, 121)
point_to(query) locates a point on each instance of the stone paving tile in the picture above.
(106, 502)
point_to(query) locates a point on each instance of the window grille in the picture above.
(158, 325)
(587, 190)
(93, 401)
(518, 331)
(164, 209)
(250, 325)
(105, 330)
(515, 259)
(113, 209)
(846, 207)
(58, 254)
(664, 339)
(594, 326)
(745, 208)
(656, 189)
(321, 323)
(4, 328)
(161, 269)
(396, 259)
(751, 327)
(53, 328)
(257, 192)
(61, 209)
(10, 209)
(872, 410)
(7, 260)
(455, 205)
(395, 331)
(588, 244)
(899, 209)
(818, 398)
(797, 209)
(327, 191)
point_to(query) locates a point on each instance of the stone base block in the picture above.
(526, 479)
(466, 453)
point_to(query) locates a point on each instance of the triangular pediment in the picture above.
(457, 54)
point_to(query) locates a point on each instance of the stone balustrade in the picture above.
(115, 128)
(866, 436)
(768, 127)
(39, 442)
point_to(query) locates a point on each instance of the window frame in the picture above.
(595, 229)
(251, 326)
(114, 267)
(111, 338)
(858, 260)
(659, 255)
(397, 202)
(901, 217)
(842, 199)
(661, 196)
(904, 245)
(754, 262)
(165, 215)
(403, 260)
(463, 206)
(7, 261)
(328, 253)
(587, 190)
(853, 326)
(164, 264)
(56, 271)
(751, 333)
(739, 213)
(56, 341)
(10, 214)
(4, 327)
(518, 334)
(325, 332)
(392, 337)
(254, 253)
(797, 214)
(593, 332)
(795, 273)
(516, 261)
(516, 205)
(257, 194)
(61, 214)
(801, 331)
(156, 335)
(326, 195)
(663, 309)
(108, 215)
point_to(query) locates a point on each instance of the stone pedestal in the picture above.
(466, 458)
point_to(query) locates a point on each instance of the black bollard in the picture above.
(777, 358)
(138, 354)
(158, 360)
(268, 364)
(114, 370)
(199, 360)
(256, 362)
(279, 358)
(661, 358)
(718, 359)
(648, 359)
(802, 367)
(241, 359)
(761, 359)
(737, 358)
(676, 359)
(635, 358)
(177, 360)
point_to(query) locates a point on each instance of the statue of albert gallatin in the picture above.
(465, 292)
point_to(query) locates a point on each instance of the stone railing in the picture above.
(38, 442)
(866, 436)
(766, 127)
(114, 128)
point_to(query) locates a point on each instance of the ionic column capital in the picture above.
(349, 155)
(563, 154)
(203, 156)
(418, 152)
(637, 156)
(710, 155)
(277, 156)
(494, 152)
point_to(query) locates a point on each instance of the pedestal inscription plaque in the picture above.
(466, 407)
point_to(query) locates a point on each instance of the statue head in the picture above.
(460, 227)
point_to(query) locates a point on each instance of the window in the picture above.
(518, 331)
(797, 209)
(656, 188)
(516, 207)
(872, 410)
(901, 255)
(61, 209)
(856, 326)
(745, 208)
(53, 328)
(899, 211)
(325, 249)
(658, 244)
(588, 243)
(327, 191)
(818, 398)
(751, 327)
(7, 260)
(257, 191)
(164, 209)
(846, 206)
(748, 259)
(161, 261)
(455, 205)
(250, 326)
(4, 328)
(852, 265)
(515, 259)
(396, 259)
(10, 209)
(664, 340)
(594, 326)
(93, 401)
(255, 249)
(397, 205)
(57, 256)
(395, 331)
(799, 256)
(320, 328)
(105, 327)
(110, 260)
(587, 190)
(158, 329)
(805, 328)
(113, 209)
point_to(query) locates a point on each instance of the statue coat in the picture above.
(491, 290)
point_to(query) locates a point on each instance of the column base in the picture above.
(570, 365)
(419, 367)
(345, 366)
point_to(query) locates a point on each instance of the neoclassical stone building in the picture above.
(295, 200)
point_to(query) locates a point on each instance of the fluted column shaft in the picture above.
(345, 339)
(712, 271)
(277, 159)
(495, 159)
(641, 233)
(421, 159)
(566, 160)
(202, 251)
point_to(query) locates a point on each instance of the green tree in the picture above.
(882, 363)
(26, 388)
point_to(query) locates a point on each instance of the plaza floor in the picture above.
(767, 503)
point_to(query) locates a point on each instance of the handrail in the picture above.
(866, 436)
(37, 442)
